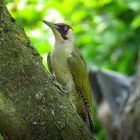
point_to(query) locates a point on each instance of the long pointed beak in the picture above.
(51, 25)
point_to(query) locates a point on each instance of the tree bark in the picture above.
(31, 107)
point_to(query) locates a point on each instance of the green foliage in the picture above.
(107, 31)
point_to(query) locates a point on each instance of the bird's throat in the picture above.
(64, 45)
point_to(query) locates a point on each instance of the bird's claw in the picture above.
(52, 78)
(59, 87)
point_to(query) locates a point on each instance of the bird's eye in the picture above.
(65, 28)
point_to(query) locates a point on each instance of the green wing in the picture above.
(79, 72)
(82, 101)
(49, 63)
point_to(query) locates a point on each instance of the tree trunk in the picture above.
(131, 118)
(119, 118)
(31, 107)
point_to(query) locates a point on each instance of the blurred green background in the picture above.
(107, 31)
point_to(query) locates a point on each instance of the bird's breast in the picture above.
(60, 66)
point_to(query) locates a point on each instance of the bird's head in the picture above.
(62, 31)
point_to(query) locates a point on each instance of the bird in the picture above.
(69, 68)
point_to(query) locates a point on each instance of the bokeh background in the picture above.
(107, 31)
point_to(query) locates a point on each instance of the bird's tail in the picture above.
(87, 116)
(88, 120)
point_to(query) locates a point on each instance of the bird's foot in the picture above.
(60, 88)
(52, 78)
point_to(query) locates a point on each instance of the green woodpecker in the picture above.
(66, 63)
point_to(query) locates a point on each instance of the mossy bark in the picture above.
(31, 107)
